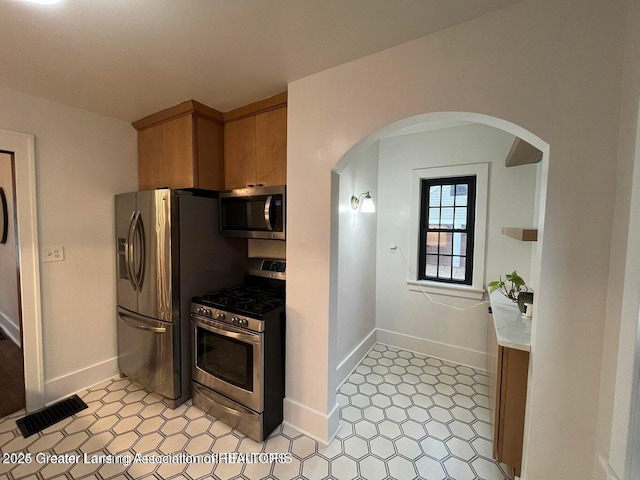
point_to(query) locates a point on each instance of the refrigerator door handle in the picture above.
(267, 213)
(125, 318)
(129, 252)
(139, 228)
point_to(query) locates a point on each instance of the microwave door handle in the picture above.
(143, 252)
(267, 212)
(129, 252)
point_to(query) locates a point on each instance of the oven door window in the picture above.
(226, 358)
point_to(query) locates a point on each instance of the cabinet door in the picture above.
(494, 371)
(150, 174)
(240, 153)
(513, 397)
(177, 152)
(209, 154)
(271, 147)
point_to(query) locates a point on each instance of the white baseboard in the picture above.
(348, 365)
(322, 428)
(451, 353)
(11, 329)
(65, 385)
(608, 470)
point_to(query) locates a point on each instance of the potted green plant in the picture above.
(514, 288)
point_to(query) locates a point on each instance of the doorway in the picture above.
(20, 147)
(11, 358)
(384, 165)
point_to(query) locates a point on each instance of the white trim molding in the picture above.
(348, 365)
(65, 385)
(10, 328)
(22, 146)
(317, 425)
(450, 353)
(611, 475)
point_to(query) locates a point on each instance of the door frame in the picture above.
(21, 146)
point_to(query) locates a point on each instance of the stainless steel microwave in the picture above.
(257, 212)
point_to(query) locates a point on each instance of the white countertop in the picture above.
(512, 329)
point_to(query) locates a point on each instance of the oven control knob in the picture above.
(220, 316)
(200, 311)
(240, 322)
(207, 312)
(244, 322)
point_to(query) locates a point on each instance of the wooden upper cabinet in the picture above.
(150, 175)
(271, 147)
(181, 147)
(255, 140)
(240, 153)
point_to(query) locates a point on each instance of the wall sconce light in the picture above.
(367, 203)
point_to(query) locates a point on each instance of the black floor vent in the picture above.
(37, 421)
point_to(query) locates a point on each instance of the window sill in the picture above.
(462, 291)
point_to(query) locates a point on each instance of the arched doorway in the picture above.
(355, 280)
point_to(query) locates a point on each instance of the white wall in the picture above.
(9, 307)
(82, 161)
(356, 288)
(622, 332)
(434, 329)
(549, 66)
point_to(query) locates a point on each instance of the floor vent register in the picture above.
(38, 421)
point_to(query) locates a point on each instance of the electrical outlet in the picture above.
(53, 254)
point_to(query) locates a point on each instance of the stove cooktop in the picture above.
(245, 300)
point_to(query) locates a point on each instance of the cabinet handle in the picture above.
(260, 185)
(251, 185)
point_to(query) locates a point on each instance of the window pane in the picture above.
(461, 194)
(459, 243)
(432, 242)
(444, 268)
(460, 218)
(434, 196)
(447, 218)
(448, 195)
(431, 269)
(446, 242)
(434, 218)
(459, 268)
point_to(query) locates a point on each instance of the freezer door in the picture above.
(149, 353)
(125, 216)
(153, 263)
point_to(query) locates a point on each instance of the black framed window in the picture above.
(447, 220)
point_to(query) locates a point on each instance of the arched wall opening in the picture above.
(371, 299)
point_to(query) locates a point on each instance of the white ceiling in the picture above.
(131, 58)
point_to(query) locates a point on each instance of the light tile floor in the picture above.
(403, 416)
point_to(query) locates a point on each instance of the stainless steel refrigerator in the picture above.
(169, 249)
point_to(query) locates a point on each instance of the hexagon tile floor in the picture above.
(403, 416)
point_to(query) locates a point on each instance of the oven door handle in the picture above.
(237, 410)
(227, 331)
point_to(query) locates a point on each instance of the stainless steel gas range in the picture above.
(239, 351)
